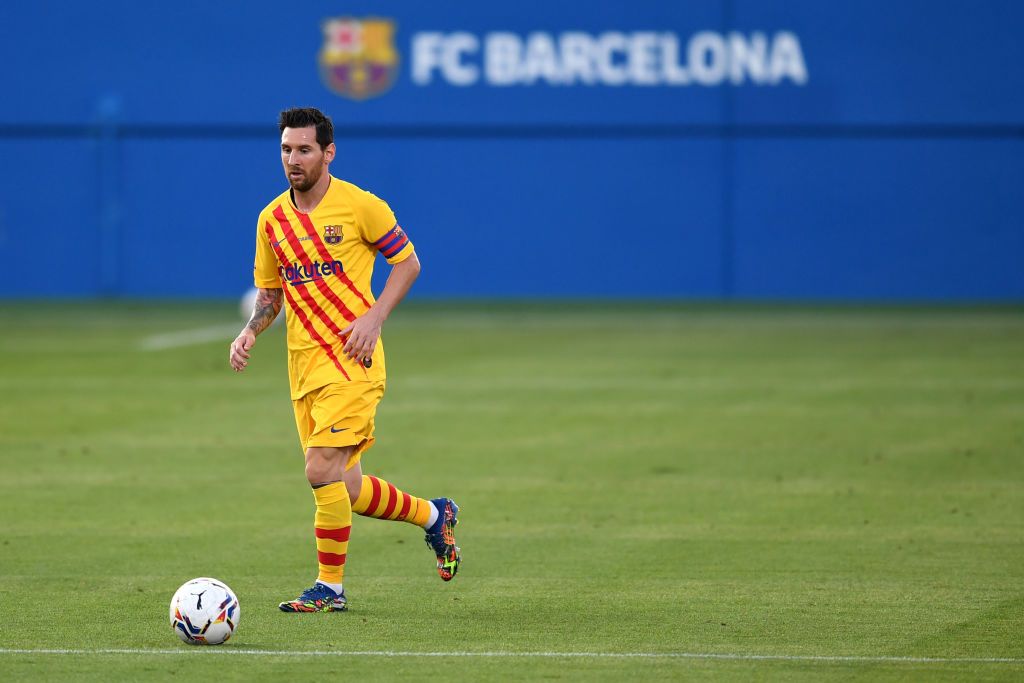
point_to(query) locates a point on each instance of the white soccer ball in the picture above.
(204, 611)
(246, 305)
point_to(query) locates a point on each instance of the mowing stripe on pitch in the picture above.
(200, 335)
(525, 655)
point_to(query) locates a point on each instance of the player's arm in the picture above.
(267, 306)
(364, 331)
(265, 310)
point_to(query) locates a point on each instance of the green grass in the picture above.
(778, 481)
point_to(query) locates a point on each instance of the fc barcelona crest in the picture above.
(332, 234)
(358, 58)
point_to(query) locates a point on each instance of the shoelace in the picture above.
(315, 592)
(448, 526)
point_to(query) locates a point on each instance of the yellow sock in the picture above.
(332, 524)
(380, 499)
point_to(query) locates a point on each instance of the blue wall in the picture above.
(140, 143)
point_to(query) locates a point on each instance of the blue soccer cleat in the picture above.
(441, 538)
(318, 598)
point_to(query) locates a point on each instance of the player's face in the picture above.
(303, 160)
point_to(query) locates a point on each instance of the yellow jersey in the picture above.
(323, 261)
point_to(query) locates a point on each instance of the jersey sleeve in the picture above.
(265, 274)
(381, 230)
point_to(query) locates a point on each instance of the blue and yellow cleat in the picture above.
(441, 538)
(318, 598)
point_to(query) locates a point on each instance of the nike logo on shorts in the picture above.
(335, 431)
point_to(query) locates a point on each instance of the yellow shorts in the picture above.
(339, 415)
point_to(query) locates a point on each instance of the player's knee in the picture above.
(313, 471)
(325, 464)
(318, 466)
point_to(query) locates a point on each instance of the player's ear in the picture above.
(329, 151)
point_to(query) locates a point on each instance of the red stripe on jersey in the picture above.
(324, 288)
(308, 324)
(301, 254)
(392, 501)
(340, 535)
(406, 503)
(322, 285)
(332, 559)
(303, 318)
(332, 296)
(371, 509)
(326, 256)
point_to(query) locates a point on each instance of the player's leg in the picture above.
(374, 497)
(380, 499)
(371, 496)
(334, 432)
(332, 523)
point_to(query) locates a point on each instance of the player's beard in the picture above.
(308, 180)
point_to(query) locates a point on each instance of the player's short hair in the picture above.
(304, 117)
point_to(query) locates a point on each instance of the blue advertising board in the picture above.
(711, 148)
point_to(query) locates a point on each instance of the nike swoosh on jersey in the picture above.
(335, 431)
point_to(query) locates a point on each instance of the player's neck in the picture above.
(307, 201)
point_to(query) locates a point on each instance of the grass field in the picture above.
(729, 493)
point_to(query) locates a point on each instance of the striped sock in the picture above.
(380, 499)
(332, 524)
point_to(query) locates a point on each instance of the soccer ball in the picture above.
(204, 611)
(246, 305)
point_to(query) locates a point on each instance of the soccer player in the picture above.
(315, 248)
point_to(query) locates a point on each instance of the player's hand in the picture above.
(239, 354)
(362, 335)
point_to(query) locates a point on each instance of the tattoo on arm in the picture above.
(268, 305)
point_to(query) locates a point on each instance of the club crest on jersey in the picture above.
(358, 59)
(332, 234)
